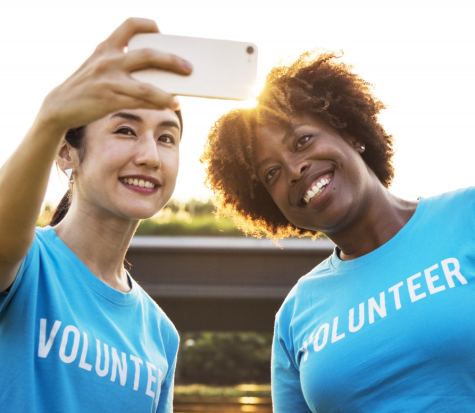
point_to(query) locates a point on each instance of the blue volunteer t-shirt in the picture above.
(391, 331)
(70, 343)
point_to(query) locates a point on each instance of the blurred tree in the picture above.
(177, 218)
(224, 358)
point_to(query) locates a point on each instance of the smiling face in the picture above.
(130, 165)
(316, 177)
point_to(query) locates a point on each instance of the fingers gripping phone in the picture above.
(222, 69)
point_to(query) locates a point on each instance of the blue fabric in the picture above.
(70, 343)
(391, 331)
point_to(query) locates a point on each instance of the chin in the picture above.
(140, 212)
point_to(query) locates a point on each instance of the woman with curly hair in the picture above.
(385, 323)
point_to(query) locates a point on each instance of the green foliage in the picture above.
(191, 218)
(45, 217)
(224, 358)
(203, 225)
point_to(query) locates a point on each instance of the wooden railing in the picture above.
(222, 283)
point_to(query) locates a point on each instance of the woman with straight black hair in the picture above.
(77, 334)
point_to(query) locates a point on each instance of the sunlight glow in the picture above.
(415, 53)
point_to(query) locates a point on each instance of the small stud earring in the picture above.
(69, 173)
(362, 148)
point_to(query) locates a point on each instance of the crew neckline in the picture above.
(342, 266)
(97, 285)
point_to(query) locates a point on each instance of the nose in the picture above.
(297, 171)
(148, 154)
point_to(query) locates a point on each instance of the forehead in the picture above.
(148, 117)
(277, 131)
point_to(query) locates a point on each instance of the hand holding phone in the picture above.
(222, 69)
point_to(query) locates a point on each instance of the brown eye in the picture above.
(270, 174)
(303, 140)
(125, 131)
(166, 139)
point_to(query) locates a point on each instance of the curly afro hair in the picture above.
(320, 86)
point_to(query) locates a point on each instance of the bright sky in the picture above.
(418, 54)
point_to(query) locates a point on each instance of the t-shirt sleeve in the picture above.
(165, 401)
(31, 256)
(287, 393)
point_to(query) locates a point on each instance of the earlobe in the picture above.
(65, 158)
(358, 145)
(69, 174)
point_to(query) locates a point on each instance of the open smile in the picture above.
(316, 188)
(140, 183)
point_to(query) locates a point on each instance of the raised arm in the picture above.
(100, 86)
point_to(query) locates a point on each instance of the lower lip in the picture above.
(143, 190)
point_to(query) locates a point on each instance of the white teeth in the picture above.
(316, 190)
(138, 182)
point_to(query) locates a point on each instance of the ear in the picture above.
(67, 157)
(358, 145)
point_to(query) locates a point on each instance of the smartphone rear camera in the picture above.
(250, 50)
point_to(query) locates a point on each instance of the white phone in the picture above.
(222, 69)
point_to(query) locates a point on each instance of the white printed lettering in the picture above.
(44, 346)
(380, 309)
(117, 365)
(395, 290)
(82, 361)
(413, 287)
(351, 325)
(435, 284)
(449, 274)
(137, 362)
(151, 379)
(325, 328)
(335, 336)
(105, 370)
(64, 343)
(430, 279)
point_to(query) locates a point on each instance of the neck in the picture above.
(381, 221)
(100, 242)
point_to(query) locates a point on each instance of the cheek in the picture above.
(280, 196)
(170, 165)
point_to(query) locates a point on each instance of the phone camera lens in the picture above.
(250, 50)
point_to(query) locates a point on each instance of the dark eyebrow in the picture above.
(127, 116)
(169, 124)
(130, 116)
(290, 132)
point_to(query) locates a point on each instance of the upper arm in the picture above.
(165, 401)
(8, 273)
(287, 395)
(12, 253)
